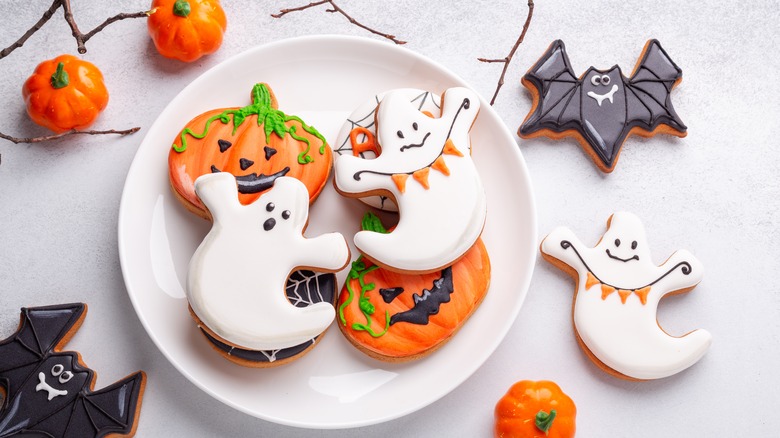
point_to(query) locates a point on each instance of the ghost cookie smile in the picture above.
(616, 300)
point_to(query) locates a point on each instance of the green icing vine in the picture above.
(357, 272)
(274, 121)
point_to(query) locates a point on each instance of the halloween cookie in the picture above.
(425, 166)
(535, 410)
(616, 297)
(257, 144)
(602, 108)
(304, 288)
(237, 276)
(49, 392)
(400, 317)
(358, 134)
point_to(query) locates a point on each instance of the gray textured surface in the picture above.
(715, 193)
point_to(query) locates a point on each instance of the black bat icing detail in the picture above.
(429, 301)
(48, 392)
(602, 107)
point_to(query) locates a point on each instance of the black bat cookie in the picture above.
(50, 393)
(602, 107)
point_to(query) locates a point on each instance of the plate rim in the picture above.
(516, 155)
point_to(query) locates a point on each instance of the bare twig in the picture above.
(335, 8)
(18, 140)
(511, 54)
(46, 15)
(81, 38)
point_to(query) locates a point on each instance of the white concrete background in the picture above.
(716, 193)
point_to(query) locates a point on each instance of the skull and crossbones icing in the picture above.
(237, 276)
(617, 294)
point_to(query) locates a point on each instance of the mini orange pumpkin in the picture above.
(186, 29)
(535, 410)
(389, 315)
(65, 93)
(257, 144)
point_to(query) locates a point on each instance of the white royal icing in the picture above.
(237, 276)
(626, 336)
(364, 116)
(437, 224)
(600, 97)
(50, 391)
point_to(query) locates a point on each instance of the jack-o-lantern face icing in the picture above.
(257, 144)
(400, 317)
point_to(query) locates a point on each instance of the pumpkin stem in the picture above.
(261, 96)
(182, 8)
(372, 223)
(60, 77)
(544, 420)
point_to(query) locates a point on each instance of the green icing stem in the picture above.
(273, 121)
(358, 271)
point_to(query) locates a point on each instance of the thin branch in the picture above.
(20, 42)
(18, 140)
(115, 18)
(335, 8)
(81, 38)
(511, 54)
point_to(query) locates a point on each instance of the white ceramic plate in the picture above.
(322, 79)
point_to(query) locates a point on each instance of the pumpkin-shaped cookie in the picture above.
(257, 144)
(400, 317)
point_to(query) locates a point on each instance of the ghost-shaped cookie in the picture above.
(425, 165)
(616, 299)
(237, 276)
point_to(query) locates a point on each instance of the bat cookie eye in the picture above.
(605, 80)
(617, 242)
(595, 80)
(56, 370)
(633, 245)
(66, 376)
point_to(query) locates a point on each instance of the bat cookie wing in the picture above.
(556, 93)
(648, 91)
(111, 411)
(41, 330)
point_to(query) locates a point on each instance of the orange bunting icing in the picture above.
(642, 294)
(428, 113)
(368, 145)
(422, 177)
(606, 290)
(441, 166)
(590, 281)
(450, 149)
(400, 181)
(624, 295)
